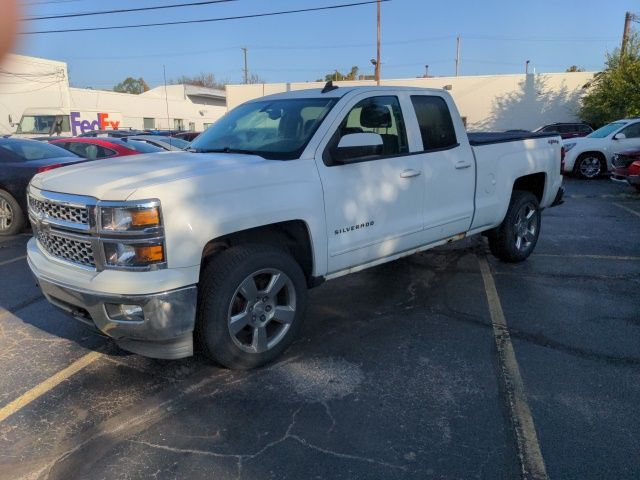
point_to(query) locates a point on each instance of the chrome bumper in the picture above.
(167, 328)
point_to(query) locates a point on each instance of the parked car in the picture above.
(105, 147)
(188, 136)
(566, 130)
(626, 168)
(166, 143)
(20, 160)
(280, 194)
(162, 133)
(591, 156)
(111, 133)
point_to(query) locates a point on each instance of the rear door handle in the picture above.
(409, 173)
(462, 164)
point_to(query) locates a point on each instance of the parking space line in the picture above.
(50, 383)
(7, 262)
(529, 454)
(630, 210)
(594, 257)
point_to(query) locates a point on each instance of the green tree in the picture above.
(574, 68)
(615, 92)
(337, 76)
(202, 79)
(132, 85)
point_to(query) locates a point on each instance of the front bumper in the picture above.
(165, 332)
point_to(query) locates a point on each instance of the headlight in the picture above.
(129, 219)
(569, 146)
(121, 254)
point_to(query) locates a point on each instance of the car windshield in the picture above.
(29, 150)
(274, 129)
(606, 130)
(44, 124)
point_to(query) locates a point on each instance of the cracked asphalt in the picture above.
(395, 375)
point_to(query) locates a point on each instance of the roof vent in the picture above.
(328, 87)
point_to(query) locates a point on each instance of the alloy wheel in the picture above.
(526, 226)
(590, 167)
(6, 215)
(262, 310)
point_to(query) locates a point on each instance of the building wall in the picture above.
(29, 82)
(492, 102)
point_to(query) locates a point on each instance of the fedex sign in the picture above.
(102, 122)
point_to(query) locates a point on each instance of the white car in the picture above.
(218, 244)
(591, 156)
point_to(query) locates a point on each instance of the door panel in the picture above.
(373, 206)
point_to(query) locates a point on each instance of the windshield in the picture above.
(33, 150)
(139, 146)
(275, 129)
(606, 130)
(44, 124)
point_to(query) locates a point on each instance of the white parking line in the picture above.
(7, 262)
(531, 462)
(630, 210)
(50, 383)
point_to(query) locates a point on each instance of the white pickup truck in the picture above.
(219, 245)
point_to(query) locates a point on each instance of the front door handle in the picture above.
(462, 164)
(409, 173)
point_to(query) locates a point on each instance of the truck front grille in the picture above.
(59, 211)
(65, 248)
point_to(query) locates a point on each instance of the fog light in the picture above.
(124, 313)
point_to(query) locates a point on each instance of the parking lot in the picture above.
(396, 375)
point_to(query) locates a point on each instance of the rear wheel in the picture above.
(590, 165)
(516, 237)
(11, 215)
(251, 305)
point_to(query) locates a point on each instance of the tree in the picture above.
(132, 85)
(255, 78)
(337, 76)
(574, 68)
(202, 79)
(615, 92)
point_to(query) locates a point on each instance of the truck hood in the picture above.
(118, 178)
(584, 142)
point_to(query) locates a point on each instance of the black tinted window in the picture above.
(89, 151)
(434, 120)
(632, 131)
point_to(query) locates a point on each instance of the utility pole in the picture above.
(378, 55)
(457, 55)
(166, 96)
(246, 68)
(628, 18)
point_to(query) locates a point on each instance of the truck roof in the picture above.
(339, 92)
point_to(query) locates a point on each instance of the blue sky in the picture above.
(497, 37)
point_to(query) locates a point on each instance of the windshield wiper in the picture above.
(222, 150)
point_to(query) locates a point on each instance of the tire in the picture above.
(516, 237)
(589, 166)
(11, 215)
(240, 326)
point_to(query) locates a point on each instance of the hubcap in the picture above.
(262, 310)
(6, 215)
(526, 226)
(590, 167)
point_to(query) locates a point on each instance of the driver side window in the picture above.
(632, 131)
(380, 115)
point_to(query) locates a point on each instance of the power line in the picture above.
(127, 10)
(206, 20)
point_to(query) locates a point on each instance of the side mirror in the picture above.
(619, 136)
(358, 145)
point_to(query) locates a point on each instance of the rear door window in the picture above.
(434, 119)
(90, 151)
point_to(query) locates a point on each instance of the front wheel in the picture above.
(251, 305)
(11, 215)
(589, 166)
(516, 237)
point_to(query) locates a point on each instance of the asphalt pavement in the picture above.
(396, 374)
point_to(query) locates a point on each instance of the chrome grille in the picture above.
(59, 211)
(65, 248)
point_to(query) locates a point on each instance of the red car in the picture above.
(626, 168)
(95, 148)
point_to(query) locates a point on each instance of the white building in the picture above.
(35, 97)
(487, 102)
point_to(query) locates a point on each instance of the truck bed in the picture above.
(488, 138)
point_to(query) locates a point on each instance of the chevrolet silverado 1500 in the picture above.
(218, 245)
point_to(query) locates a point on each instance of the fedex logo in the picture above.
(79, 126)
